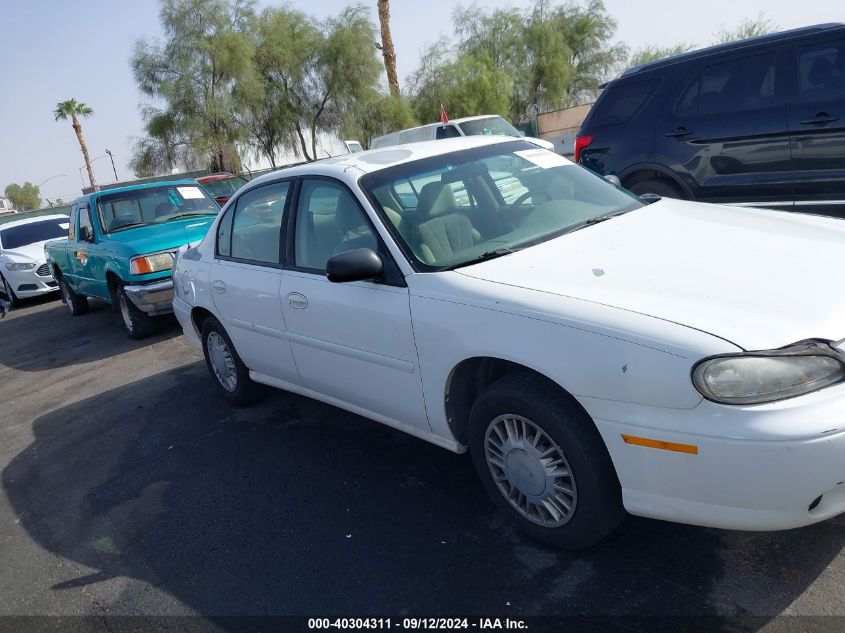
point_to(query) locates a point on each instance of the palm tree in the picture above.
(73, 110)
(386, 46)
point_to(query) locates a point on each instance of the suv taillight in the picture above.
(580, 143)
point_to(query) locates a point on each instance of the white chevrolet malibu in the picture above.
(594, 354)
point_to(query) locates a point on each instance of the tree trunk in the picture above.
(387, 49)
(77, 127)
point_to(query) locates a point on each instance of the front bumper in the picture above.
(762, 467)
(29, 283)
(154, 298)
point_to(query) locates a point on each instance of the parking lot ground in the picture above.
(130, 487)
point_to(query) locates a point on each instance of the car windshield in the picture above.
(225, 187)
(487, 126)
(152, 205)
(21, 235)
(458, 208)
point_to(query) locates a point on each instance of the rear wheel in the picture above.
(544, 463)
(659, 187)
(229, 372)
(77, 304)
(137, 323)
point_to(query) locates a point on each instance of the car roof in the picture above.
(384, 157)
(37, 218)
(213, 177)
(146, 185)
(759, 40)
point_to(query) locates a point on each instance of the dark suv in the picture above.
(759, 122)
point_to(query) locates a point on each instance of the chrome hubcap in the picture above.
(530, 470)
(124, 310)
(222, 362)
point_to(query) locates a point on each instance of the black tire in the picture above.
(659, 187)
(137, 323)
(597, 508)
(13, 299)
(77, 304)
(244, 391)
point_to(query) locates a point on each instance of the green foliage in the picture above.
(517, 63)
(376, 114)
(749, 27)
(24, 198)
(653, 53)
(71, 109)
(207, 51)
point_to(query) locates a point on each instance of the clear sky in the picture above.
(52, 50)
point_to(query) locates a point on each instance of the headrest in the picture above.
(435, 199)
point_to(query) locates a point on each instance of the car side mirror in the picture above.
(359, 264)
(85, 234)
(613, 180)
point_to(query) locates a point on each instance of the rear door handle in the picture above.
(218, 286)
(820, 119)
(297, 300)
(679, 132)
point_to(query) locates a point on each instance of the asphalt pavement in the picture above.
(130, 487)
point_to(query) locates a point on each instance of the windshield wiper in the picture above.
(485, 256)
(180, 216)
(126, 226)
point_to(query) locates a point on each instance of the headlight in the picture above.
(146, 264)
(15, 266)
(756, 378)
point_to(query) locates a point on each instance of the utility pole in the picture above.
(112, 164)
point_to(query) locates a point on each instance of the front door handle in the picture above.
(820, 119)
(297, 301)
(679, 132)
(218, 286)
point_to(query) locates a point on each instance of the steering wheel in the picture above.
(525, 196)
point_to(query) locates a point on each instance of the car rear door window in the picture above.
(737, 85)
(620, 103)
(256, 228)
(821, 71)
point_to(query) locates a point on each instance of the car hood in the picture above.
(757, 278)
(165, 236)
(28, 252)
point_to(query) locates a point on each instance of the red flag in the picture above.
(444, 118)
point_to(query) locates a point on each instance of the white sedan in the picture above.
(594, 354)
(24, 271)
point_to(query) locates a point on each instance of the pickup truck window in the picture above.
(71, 227)
(151, 205)
(85, 227)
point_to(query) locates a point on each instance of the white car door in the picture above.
(246, 279)
(351, 341)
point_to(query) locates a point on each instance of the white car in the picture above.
(594, 354)
(484, 125)
(24, 271)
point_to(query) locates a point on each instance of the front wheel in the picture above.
(13, 300)
(137, 323)
(544, 463)
(76, 304)
(224, 364)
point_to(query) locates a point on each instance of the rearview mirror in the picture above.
(359, 264)
(85, 234)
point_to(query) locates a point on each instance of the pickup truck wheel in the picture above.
(137, 323)
(229, 372)
(544, 463)
(77, 304)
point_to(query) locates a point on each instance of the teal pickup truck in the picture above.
(121, 245)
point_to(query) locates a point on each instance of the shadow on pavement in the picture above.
(40, 334)
(293, 507)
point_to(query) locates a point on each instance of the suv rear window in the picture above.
(620, 103)
(740, 84)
